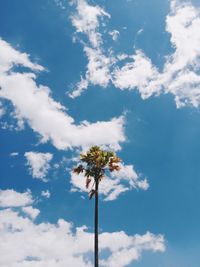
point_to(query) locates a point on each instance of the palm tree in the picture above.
(95, 164)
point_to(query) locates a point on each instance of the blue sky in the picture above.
(120, 74)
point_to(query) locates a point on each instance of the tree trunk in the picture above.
(96, 241)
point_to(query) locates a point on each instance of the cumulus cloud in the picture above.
(30, 211)
(124, 253)
(62, 244)
(180, 74)
(11, 198)
(38, 164)
(114, 185)
(181, 71)
(136, 74)
(44, 115)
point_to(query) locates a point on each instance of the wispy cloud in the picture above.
(87, 20)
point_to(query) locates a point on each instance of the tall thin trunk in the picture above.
(96, 241)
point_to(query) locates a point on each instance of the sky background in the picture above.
(154, 99)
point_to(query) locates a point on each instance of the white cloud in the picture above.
(73, 245)
(46, 194)
(14, 154)
(124, 248)
(98, 72)
(87, 20)
(183, 24)
(181, 71)
(114, 34)
(80, 87)
(136, 74)
(186, 88)
(38, 164)
(11, 198)
(114, 185)
(2, 110)
(47, 117)
(180, 75)
(10, 57)
(30, 211)
(102, 66)
(128, 173)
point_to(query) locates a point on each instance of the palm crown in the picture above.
(95, 163)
